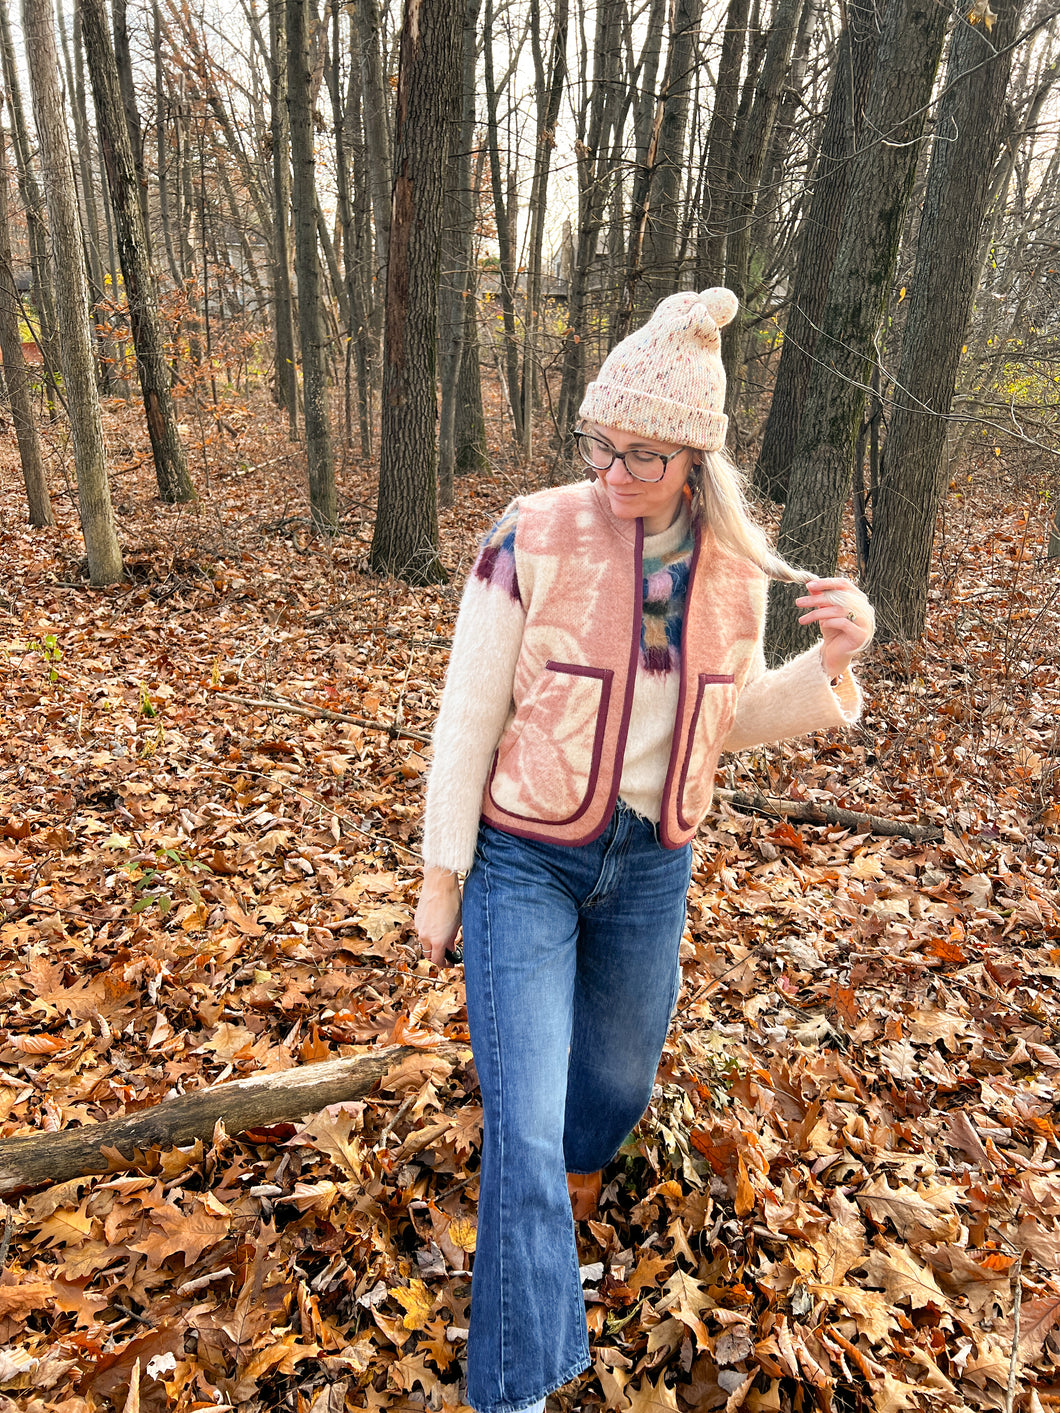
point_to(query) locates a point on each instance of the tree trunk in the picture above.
(123, 59)
(505, 216)
(263, 1099)
(659, 258)
(344, 216)
(75, 332)
(647, 137)
(746, 177)
(819, 238)
(968, 132)
(455, 288)
(375, 93)
(15, 374)
(405, 541)
(33, 203)
(359, 254)
(469, 432)
(720, 153)
(307, 266)
(549, 95)
(910, 47)
(171, 465)
(162, 150)
(285, 370)
(598, 119)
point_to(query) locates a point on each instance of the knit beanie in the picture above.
(666, 382)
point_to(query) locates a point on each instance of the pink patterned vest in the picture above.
(556, 772)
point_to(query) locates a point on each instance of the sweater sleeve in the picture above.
(791, 700)
(476, 701)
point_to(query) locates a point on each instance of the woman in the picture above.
(608, 648)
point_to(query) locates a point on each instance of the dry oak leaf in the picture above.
(1042, 1243)
(331, 1132)
(465, 1129)
(684, 1297)
(612, 1372)
(414, 1071)
(896, 1270)
(647, 1397)
(184, 1234)
(842, 1243)
(647, 1272)
(982, 1283)
(1038, 1319)
(926, 1214)
(893, 1395)
(411, 1369)
(279, 1358)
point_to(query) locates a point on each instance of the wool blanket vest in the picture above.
(556, 771)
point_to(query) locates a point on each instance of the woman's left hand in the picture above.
(846, 620)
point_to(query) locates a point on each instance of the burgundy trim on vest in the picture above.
(675, 744)
(706, 679)
(605, 676)
(623, 730)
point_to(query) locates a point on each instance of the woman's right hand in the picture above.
(438, 913)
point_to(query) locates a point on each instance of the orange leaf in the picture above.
(36, 1044)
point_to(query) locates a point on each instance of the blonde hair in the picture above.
(719, 500)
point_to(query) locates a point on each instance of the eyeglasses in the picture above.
(642, 465)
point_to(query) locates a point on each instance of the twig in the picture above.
(808, 812)
(317, 805)
(5, 1239)
(1017, 1301)
(298, 709)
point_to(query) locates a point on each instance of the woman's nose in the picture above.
(618, 469)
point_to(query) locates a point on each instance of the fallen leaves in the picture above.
(849, 1168)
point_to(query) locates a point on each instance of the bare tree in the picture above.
(881, 182)
(818, 239)
(75, 333)
(307, 264)
(171, 465)
(15, 373)
(405, 541)
(967, 140)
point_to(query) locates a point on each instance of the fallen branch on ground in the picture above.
(39, 1159)
(810, 812)
(299, 709)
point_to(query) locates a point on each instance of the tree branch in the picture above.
(36, 1160)
(809, 812)
(298, 709)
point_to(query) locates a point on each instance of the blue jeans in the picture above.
(571, 963)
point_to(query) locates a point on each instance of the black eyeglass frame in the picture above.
(581, 437)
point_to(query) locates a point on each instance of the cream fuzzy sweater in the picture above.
(477, 705)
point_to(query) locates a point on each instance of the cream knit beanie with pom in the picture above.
(666, 382)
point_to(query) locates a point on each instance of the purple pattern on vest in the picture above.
(496, 557)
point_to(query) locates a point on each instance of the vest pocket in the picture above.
(714, 709)
(548, 761)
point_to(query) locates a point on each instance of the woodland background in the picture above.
(359, 262)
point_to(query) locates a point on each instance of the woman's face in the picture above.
(657, 503)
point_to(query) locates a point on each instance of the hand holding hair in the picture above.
(845, 617)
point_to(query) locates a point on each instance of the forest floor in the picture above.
(846, 1193)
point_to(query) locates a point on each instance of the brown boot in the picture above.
(584, 1189)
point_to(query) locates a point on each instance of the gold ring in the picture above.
(852, 616)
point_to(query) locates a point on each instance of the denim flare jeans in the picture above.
(571, 963)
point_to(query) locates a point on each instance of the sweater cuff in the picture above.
(846, 694)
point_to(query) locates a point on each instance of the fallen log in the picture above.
(811, 812)
(39, 1159)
